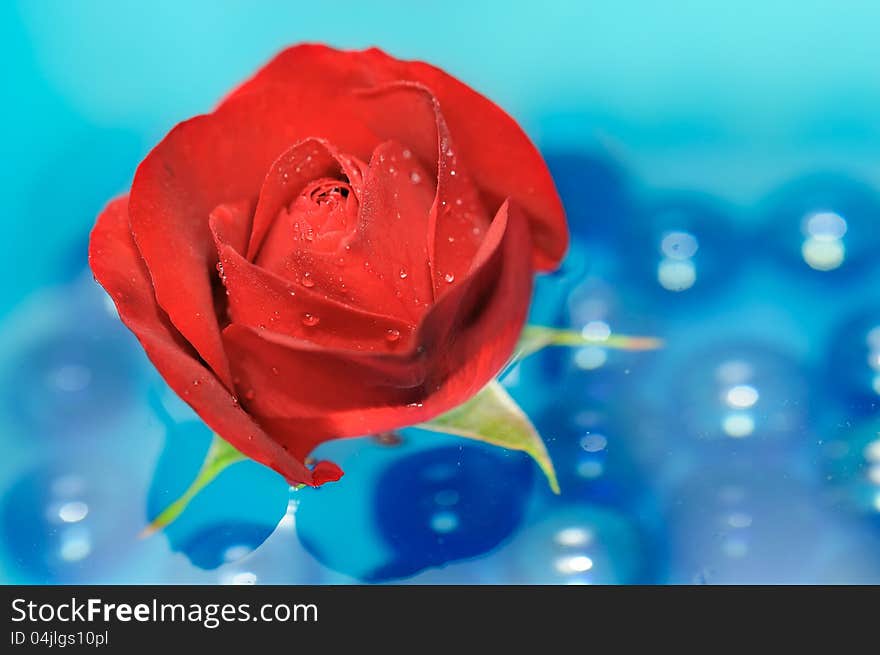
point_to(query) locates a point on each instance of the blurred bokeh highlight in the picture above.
(719, 163)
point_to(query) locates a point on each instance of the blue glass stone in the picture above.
(851, 371)
(595, 192)
(417, 505)
(851, 469)
(65, 377)
(683, 247)
(448, 504)
(825, 224)
(738, 396)
(582, 544)
(230, 517)
(65, 524)
(746, 523)
(591, 448)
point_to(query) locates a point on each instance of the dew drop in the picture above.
(406, 154)
(310, 320)
(415, 177)
(274, 370)
(392, 335)
(449, 277)
(452, 172)
(403, 274)
(307, 280)
(291, 292)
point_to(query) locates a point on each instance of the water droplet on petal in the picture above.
(403, 274)
(449, 277)
(392, 335)
(310, 320)
(307, 280)
(406, 154)
(274, 370)
(415, 177)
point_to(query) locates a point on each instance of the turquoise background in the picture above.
(716, 109)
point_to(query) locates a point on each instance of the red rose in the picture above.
(345, 246)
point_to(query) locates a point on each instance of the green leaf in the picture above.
(536, 337)
(494, 417)
(220, 456)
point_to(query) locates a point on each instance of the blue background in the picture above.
(745, 451)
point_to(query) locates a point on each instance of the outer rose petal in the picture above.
(499, 155)
(212, 160)
(118, 267)
(464, 340)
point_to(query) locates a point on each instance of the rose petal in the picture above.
(119, 268)
(231, 223)
(261, 300)
(501, 158)
(334, 273)
(463, 342)
(457, 220)
(205, 162)
(392, 234)
(298, 165)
